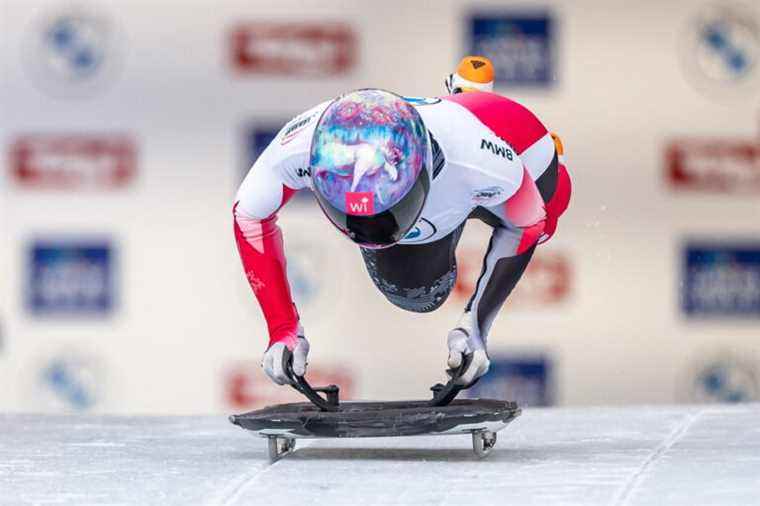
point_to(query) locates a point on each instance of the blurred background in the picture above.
(126, 127)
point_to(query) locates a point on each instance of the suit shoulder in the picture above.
(471, 148)
(508, 119)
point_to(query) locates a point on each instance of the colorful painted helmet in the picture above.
(370, 166)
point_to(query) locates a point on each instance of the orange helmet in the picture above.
(474, 73)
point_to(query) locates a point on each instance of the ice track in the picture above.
(614, 456)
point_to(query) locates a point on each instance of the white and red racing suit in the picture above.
(492, 159)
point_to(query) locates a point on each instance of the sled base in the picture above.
(282, 424)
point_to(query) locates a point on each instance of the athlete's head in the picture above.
(474, 73)
(370, 166)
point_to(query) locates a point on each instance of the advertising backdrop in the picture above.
(127, 127)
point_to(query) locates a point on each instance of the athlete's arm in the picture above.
(528, 215)
(503, 266)
(259, 242)
(527, 218)
(518, 224)
(275, 177)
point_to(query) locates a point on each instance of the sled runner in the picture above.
(325, 416)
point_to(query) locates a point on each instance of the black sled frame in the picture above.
(326, 417)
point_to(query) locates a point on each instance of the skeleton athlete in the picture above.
(400, 177)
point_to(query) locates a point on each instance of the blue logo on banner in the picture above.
(727, 382)
(727, 43)
(70, 278)
(77, 44)
(257, 139)
(74, 52)
(721, 280)
(727, 377)
(718, 38)
(521, 47)
(64, 379)
(525, 379)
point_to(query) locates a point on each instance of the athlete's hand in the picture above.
(462, 343)
(273, 362)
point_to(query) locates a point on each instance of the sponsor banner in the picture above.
(720, 49)
(73, 161)
(71, 278)
(294, 49)
(526, 379)
(723, 378)
(714, 165)
(246, 386)
(721, 280)
(69, 380)
(257, 138)
(520, 45)
(547, 281)
(74, 52)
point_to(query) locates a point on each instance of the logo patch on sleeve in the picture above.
(292, 130)
(485, 196)
(360, 203)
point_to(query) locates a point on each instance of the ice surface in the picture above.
(619, 456)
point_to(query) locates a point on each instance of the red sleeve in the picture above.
(261, 249)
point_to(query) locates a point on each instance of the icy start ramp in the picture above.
(615, 456)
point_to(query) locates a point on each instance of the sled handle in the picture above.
(444, 394)
(332, 393)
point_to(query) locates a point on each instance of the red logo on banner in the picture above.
(360, 203)
(73, 161)
(308, 49)
(247, 387)
(547, 280)
(714, 165)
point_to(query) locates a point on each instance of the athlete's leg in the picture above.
(415, 277)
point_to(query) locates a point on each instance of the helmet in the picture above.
(474, 73)
(370, 166)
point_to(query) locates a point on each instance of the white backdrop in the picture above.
(185, 314)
